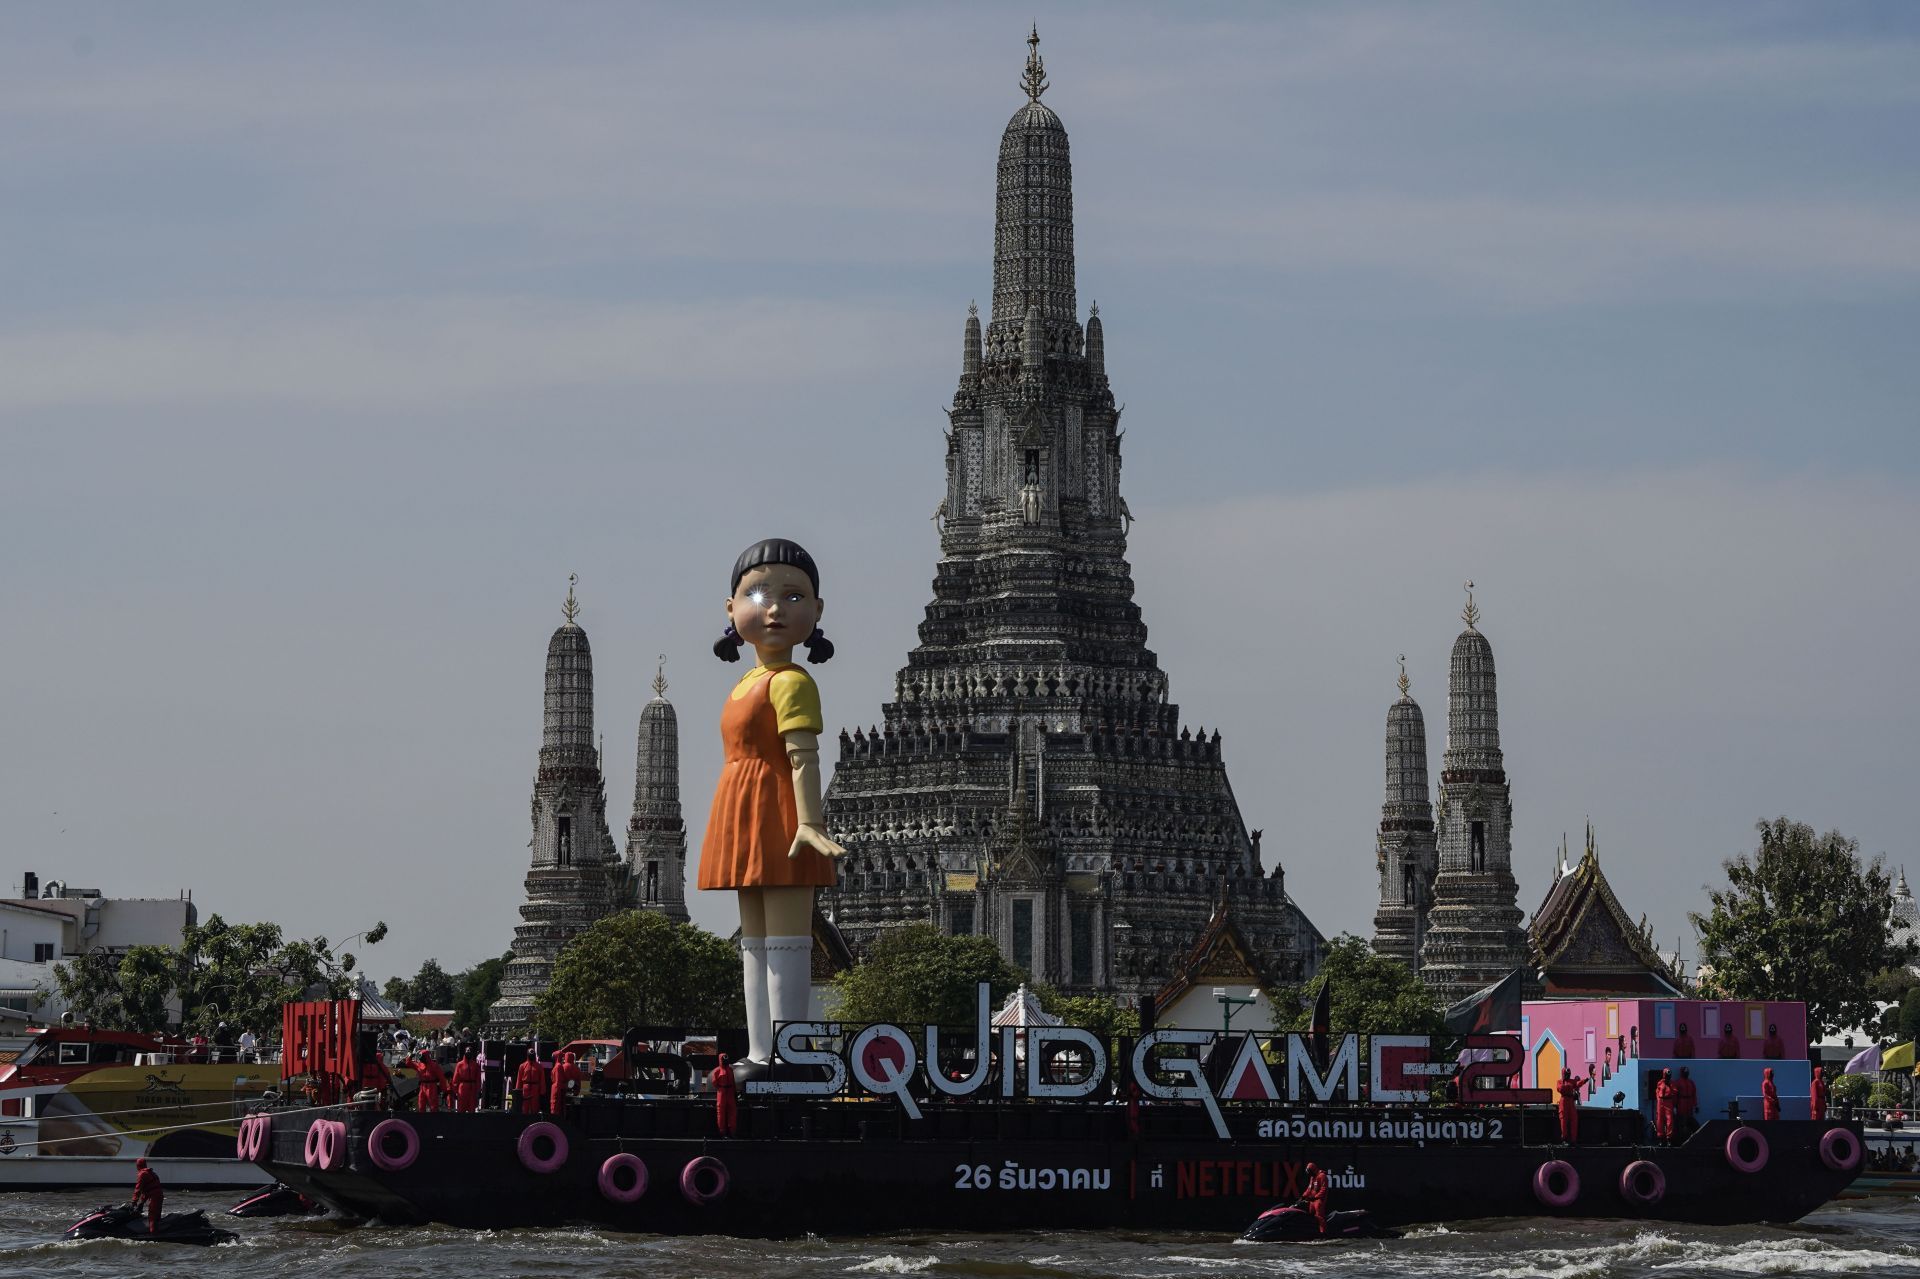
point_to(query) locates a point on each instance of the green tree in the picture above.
(120, 992)
(1884, 1095)
(1105, 1017)
(397, 991)
(916, 975)
(1370, 994)
(476, 989)
(1907, 1026)
(638, 968)
(1849, 1090)
(1803, 919)
(433, 987)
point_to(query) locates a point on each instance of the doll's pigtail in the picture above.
(727, 647)
(819, 647)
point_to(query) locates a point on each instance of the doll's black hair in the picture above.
(775, 550)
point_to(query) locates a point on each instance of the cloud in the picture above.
(1680, 654)
(408, 351)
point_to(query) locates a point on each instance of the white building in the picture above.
(51, 923)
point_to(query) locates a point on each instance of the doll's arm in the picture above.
(803, 756)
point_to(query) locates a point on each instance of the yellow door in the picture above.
(1546, 1064)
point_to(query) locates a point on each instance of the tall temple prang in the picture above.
(1405, 852)
(656, 833)
(576, 876)
(1474, 937)
(1032, 782)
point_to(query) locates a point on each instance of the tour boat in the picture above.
(78, 1106)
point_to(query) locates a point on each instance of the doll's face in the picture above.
(774, 609)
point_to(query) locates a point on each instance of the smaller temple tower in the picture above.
(656, 833)
(1405, 852)
(1474, 937)
(576, 876)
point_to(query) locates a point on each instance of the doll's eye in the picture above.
(758, 595)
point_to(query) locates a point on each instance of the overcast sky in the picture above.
(333, 338)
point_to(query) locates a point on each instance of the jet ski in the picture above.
(274, 1201)
(1290, 1223)
(125, 1221)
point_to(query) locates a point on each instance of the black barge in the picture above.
(850, 1167)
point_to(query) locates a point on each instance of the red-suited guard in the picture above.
(466, 1083)
(531, 1083)
(726, 1100)
(1663, 1106)
(1819, 1096)
(565, 1076)
(1569, 1105)
(146, 1190)
(1769, 1095)
(1686, 1100)
(432, 1080)
(1316, 1195)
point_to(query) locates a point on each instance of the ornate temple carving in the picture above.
(1031, 780)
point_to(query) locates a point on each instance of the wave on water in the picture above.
(1796, 1257)
(890, 1264)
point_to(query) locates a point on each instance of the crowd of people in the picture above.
(456, 1070)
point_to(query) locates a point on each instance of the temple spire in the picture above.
(660, 677)
(1034, 81)
(1406, 685)
(1471, 613)
(572, 607)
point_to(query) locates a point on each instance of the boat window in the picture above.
(73, 1054)
(30, 1052)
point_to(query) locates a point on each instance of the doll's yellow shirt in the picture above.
(795, 698)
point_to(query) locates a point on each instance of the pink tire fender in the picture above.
(381, 1144)
(705, 1180)
(611, 1175)
(259, 1136)
(1556, 1184)
(530, 1139)
(243, 1140)
(1840, 1150)
(310, 1148)
(333, 1144)
(1746, 1149)
(1642, 1182)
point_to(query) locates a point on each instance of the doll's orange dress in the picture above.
(753, 820)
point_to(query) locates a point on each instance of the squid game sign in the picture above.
(1066, 1063)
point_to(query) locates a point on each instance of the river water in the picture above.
(1861, 1237)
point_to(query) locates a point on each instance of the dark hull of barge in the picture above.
(857, 1168)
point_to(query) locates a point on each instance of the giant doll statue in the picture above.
(766, 836)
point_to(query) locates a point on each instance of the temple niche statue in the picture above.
(1031, 780)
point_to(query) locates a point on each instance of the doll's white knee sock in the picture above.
(789, 977)
(753, 964)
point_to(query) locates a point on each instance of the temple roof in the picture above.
(1220, 955)
(1583, 942)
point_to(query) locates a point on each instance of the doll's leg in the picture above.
(789, 942)
(753, 967)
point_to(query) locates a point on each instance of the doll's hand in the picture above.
(807, 835)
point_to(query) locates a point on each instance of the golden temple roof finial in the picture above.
(572, 607)
(660, 677)
(1471, 613)
(1405, 683)
(1034, 81)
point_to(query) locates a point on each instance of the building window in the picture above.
(1406, 887)
(1083, 946)
(1478, 836)
(566, 841)
(960, 919)
(43, 952)
(1023, 934)
(653, 881)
